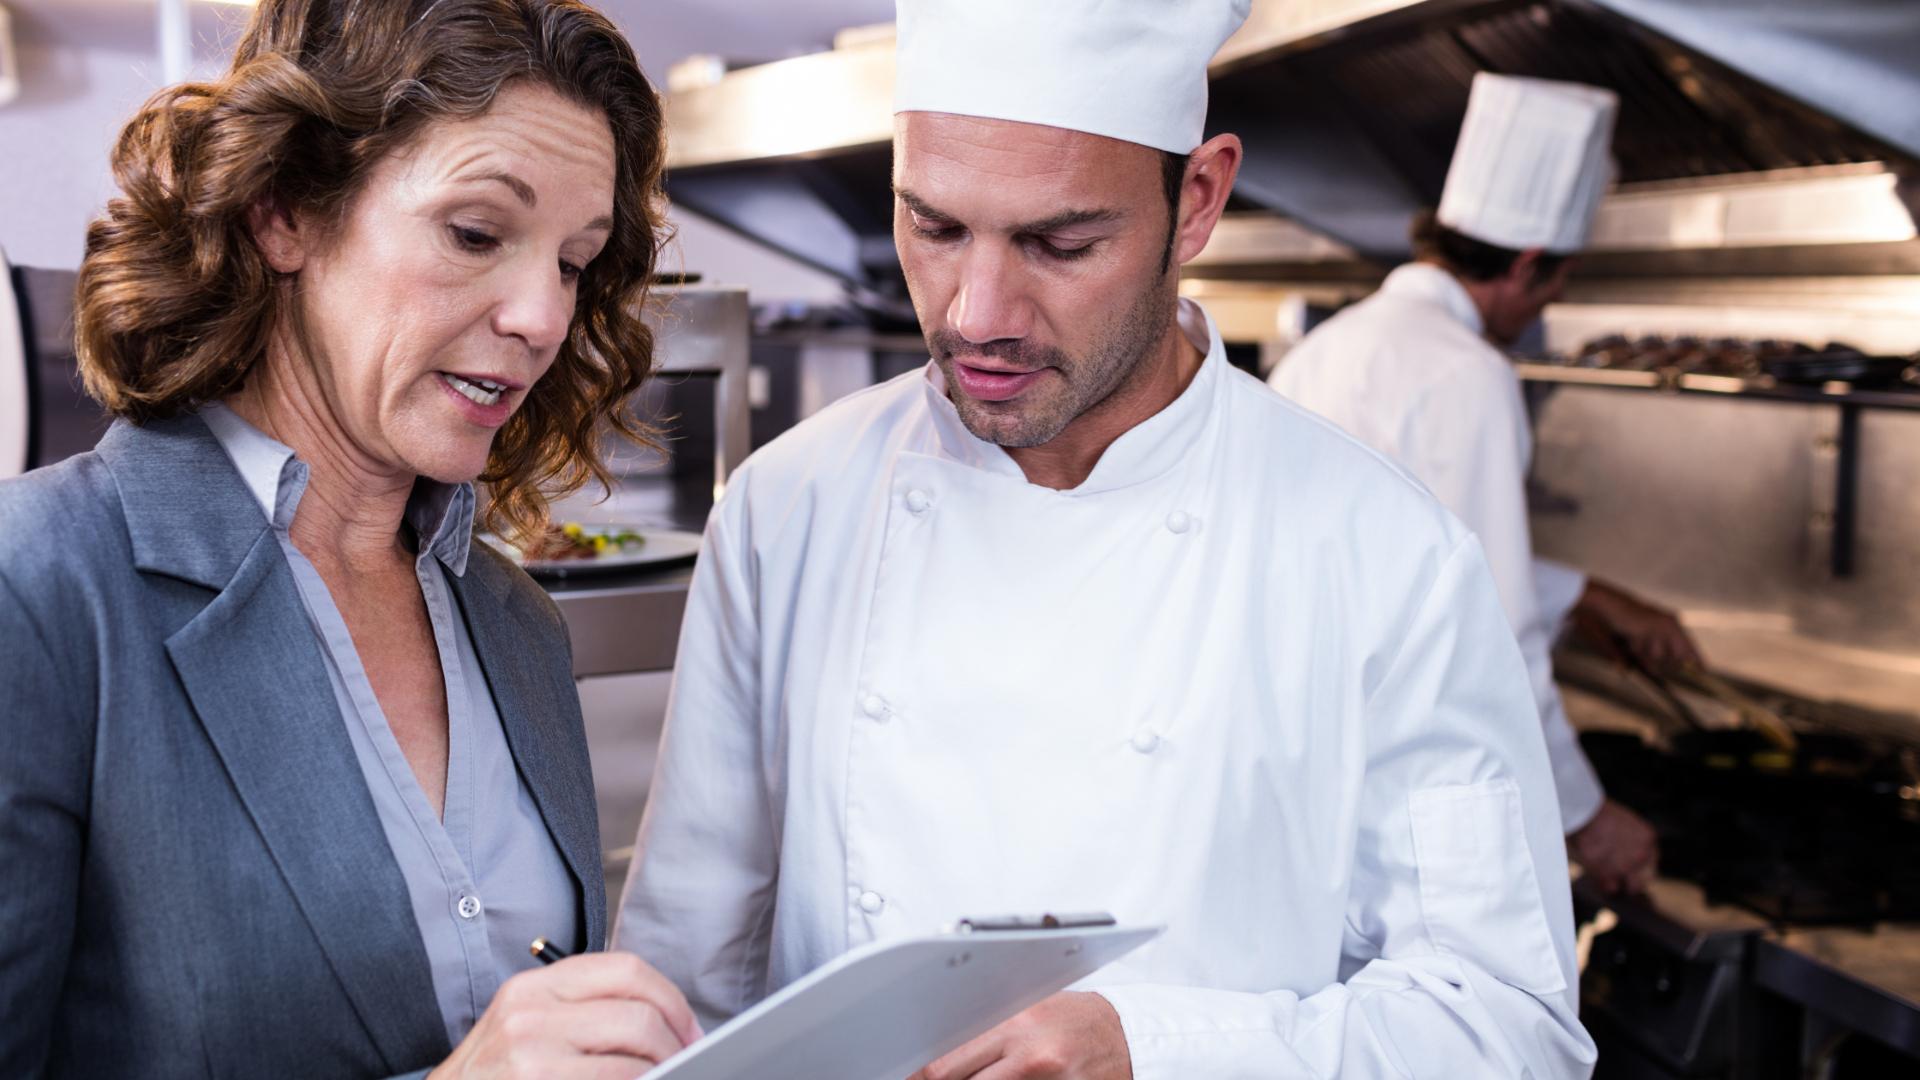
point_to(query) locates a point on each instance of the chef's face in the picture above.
(426, 316)
(1523, 295)
(1037, 262)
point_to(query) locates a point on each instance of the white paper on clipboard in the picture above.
(882, 1011)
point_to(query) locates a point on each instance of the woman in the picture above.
(293, 772)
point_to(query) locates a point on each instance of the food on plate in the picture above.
(573, 540)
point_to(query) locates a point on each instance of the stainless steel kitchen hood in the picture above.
(1349, 109)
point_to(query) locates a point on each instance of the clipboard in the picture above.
(882, 1011)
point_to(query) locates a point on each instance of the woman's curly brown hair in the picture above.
(175, 300)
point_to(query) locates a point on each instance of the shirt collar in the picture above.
(1150, 448)
(441, 514)
(1425, 281)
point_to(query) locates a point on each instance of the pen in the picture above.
(545, 951)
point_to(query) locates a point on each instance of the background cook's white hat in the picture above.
(1127, 69)
(1531, 164)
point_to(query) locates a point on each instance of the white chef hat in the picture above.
(1531, 164)
(1127, 69)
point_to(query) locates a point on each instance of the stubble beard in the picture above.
(1078, 385)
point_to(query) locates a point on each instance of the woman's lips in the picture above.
(488, 416)
(983, 385)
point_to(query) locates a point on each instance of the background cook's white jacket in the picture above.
(1247, 680)
(1408, 372)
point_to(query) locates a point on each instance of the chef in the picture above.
(1411, 371)
(1079, 617)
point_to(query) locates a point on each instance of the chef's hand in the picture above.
(1617, 849)
(1070, 1036)
(598, 1015)
(1653, 633)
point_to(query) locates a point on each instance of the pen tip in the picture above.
(539, 946)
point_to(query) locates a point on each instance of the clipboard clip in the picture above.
(1034, 922)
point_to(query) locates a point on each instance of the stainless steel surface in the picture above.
(1578, 376)
(804, 106)
(1865, 980)
(1755, 387)
(704, 330)
(1277, 27)
(1825, 220)
(1679, 916)
(1349, 110)
(1253, 238)
(624, 716)
(1850, 59)
(623, 624)
(1725, 506)
(1826, 205)
(16, 390)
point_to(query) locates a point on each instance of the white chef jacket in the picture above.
(1408, 372)
(1247, 681)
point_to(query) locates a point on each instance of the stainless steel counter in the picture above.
(623, 623)
(1860, 980)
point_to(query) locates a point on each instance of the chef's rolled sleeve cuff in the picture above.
(1557, 588)
(1183, 1032)
(1578, 787)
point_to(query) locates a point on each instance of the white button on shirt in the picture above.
(872, 903)
(1145, 741)
(875, 706)
(1179, 521)
(918, 501)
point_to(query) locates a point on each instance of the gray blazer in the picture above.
(193, 878)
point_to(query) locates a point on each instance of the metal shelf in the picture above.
(1849, 399)
(1759, 388)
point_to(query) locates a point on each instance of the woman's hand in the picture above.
(590, 1016)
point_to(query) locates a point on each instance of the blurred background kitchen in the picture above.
(1726, 404)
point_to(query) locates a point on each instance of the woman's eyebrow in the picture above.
(520, 188)
(525, 193)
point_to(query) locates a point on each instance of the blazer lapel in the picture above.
(526, 666)
(253, 670)
(252, 667)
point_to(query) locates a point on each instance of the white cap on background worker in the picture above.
(1532, 163)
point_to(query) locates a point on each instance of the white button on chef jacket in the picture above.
(1356, 851)
(1407, 372)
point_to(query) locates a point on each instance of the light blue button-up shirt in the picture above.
(487, 878)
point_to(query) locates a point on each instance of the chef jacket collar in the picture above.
(1425, 281)
(1149, 449)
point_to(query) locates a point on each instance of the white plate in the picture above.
(662, 547)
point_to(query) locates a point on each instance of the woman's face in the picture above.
(448, 289)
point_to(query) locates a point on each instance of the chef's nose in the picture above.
(990, 303)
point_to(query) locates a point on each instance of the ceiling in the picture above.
(662, 31)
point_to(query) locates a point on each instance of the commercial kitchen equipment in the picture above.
(1767, 153)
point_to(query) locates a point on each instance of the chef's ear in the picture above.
(1211, 171)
